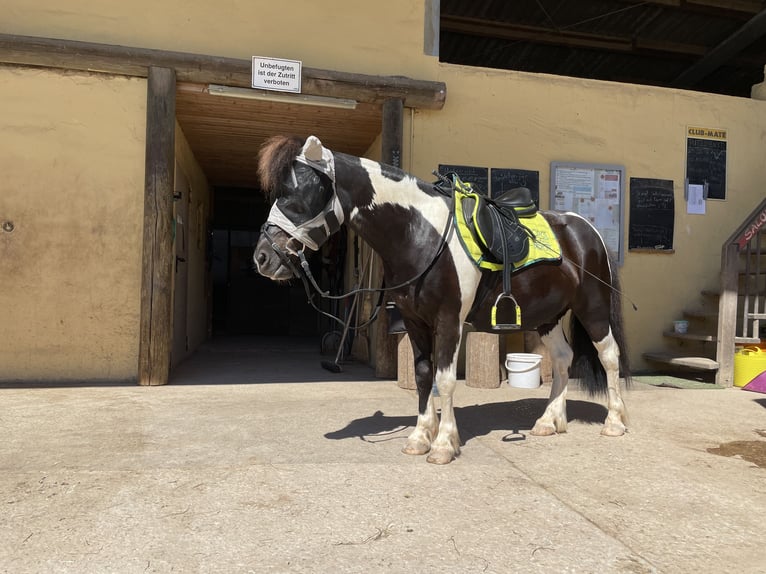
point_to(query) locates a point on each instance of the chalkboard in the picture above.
(503, 179)
(652, 214)
(478, 177)
(706, 164)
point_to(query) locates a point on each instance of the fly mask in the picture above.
(308, 209)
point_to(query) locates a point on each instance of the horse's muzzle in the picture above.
(273, 255)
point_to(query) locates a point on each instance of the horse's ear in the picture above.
(312, 149)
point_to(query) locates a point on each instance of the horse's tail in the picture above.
(586, 365)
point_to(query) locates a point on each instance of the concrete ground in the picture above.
(217, 473)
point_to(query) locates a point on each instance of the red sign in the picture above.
(753, 228)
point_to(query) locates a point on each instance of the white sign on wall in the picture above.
(277, 74)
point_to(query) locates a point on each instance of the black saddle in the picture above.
(495, 223)
(494, 226)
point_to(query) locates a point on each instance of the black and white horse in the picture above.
(406, 222)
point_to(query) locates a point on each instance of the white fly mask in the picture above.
(314, 232)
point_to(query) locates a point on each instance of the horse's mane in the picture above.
(276, 156)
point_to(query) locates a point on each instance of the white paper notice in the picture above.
(695, 200)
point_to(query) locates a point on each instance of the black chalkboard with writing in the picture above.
(652, 214)
(503, 179)
(478, 177)
(706, 164)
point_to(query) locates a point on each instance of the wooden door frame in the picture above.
(156, 327)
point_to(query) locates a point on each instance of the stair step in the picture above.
(746, 340)
(717, 293)
(696, 363)
(700, 314)
(689, 336)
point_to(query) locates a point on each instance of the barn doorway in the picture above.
(244, 302)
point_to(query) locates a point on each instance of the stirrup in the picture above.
(516, 325)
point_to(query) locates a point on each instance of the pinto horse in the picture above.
(437, 287)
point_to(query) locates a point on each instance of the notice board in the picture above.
(596, 192)
(706, 160)
(652, 215)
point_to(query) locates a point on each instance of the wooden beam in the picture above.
(735, 8)
(156, 330)
(386, 349)
(130, 61)
(723, 53)
(536, 34)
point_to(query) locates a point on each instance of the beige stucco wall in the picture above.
(491, 118)
(514, 120)
(364, 37)
(72, 164)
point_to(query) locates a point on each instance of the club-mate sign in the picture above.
(277, 74)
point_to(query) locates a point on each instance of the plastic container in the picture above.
(681, 326)
(523, 370)
(749, 362)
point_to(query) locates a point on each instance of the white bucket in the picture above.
(523, 370)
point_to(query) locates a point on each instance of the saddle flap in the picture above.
(502, 233)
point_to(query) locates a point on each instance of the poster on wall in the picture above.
(594, 191)
(706, 160)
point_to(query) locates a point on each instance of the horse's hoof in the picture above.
(416, 448)
(613, 429)
(441, 457)
(543, 429)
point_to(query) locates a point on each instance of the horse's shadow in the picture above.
(515, 417)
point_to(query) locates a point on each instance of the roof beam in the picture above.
(535, 34)
(129, 61)
(515, 32)
(752, 31)
(747, 7)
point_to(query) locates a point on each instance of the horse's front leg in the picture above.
(447, 444)
(419, 441)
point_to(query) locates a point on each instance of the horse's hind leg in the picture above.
(554, 418)
(617, 416)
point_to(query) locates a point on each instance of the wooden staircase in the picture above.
(728, 317)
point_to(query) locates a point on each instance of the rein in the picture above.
(307, 277)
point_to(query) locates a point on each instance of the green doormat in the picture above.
(674, 382)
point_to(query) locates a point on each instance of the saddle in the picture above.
(495, 223)
(494, 226)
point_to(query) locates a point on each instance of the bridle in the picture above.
(307, 277)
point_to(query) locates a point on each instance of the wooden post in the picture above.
(386, 354)
(727, 314)
(482, 360)
(406, 360)
(157, 280)
(533, 344)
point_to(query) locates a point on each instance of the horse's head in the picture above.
(300, 181)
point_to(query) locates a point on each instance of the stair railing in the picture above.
(744, 300)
